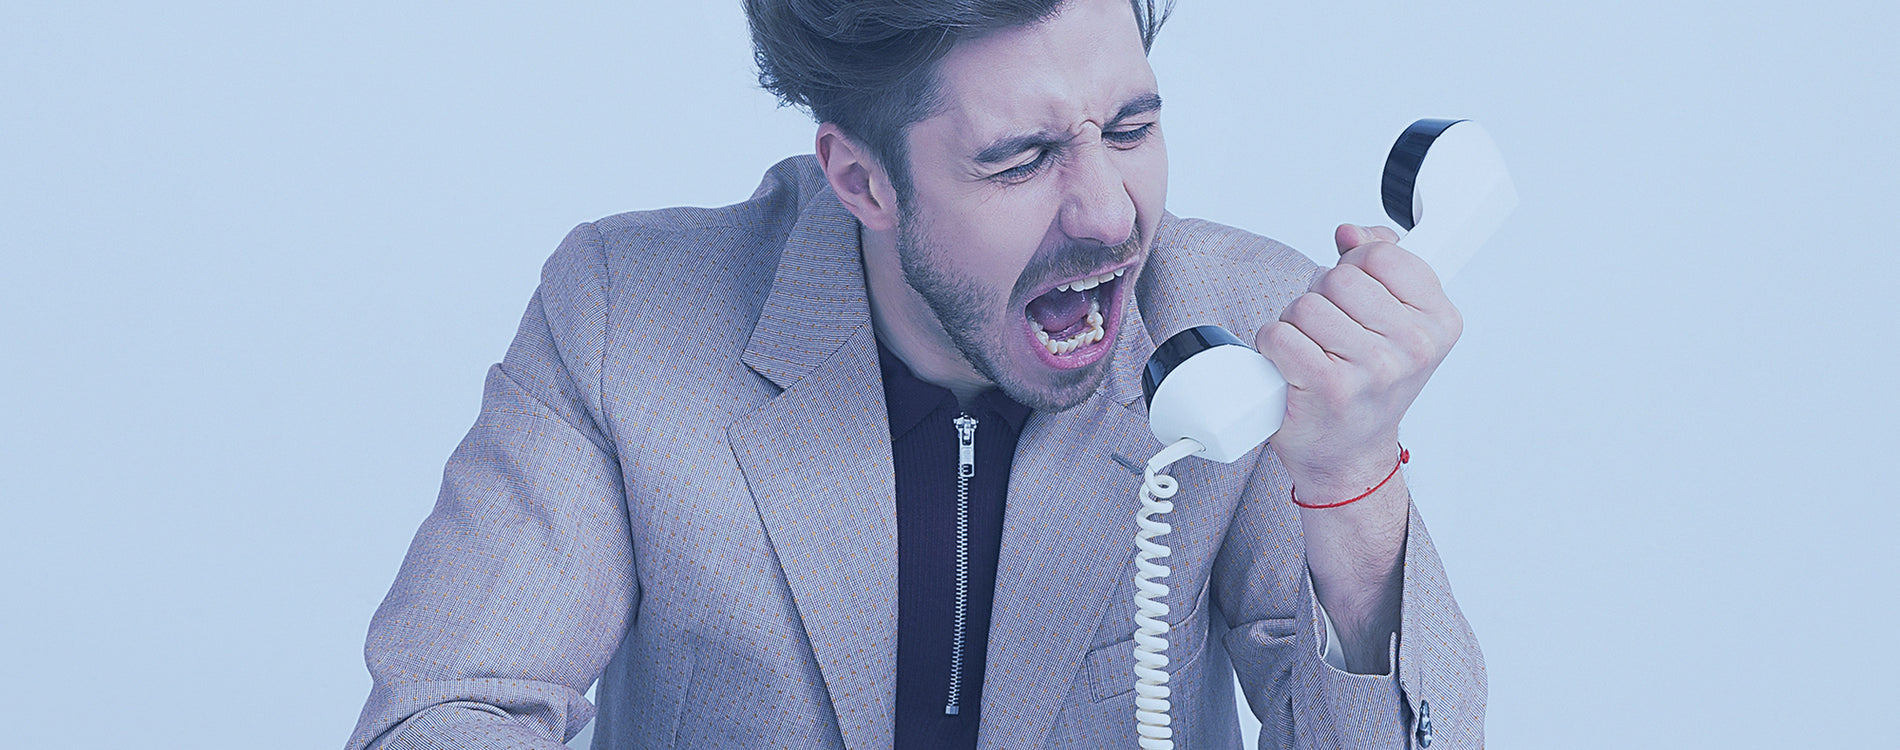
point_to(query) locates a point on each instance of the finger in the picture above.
(1329, 327)
(1406, 276)
(1349, 236)
(1301, 361)
(1365, 300)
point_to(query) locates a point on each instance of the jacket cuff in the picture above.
(1360, 710)
(1434, 695)
(466, 725)
(1440, 667)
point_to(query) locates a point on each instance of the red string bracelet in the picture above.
(1405, 457)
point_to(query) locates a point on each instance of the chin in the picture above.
(1048, 343)
(1077, 387)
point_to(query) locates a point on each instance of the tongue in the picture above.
(1059, 311)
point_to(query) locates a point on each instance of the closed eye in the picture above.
(1026, 170)
(1129, 137)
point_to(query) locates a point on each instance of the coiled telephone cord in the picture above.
(1151, 631)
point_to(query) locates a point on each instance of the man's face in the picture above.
(1037, 188)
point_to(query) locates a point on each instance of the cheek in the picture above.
(1146, 175)
(997, 240)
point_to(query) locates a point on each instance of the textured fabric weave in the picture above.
(680, 483)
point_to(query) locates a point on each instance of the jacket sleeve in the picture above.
(1437, 690)
(520, 583)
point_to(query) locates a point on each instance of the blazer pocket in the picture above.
(1111, 668)
(688, 692)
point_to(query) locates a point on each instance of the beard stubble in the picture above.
(979, 322)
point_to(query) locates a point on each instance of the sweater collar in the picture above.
(908, 399)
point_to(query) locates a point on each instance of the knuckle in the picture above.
(1351, 276)
(1277, 335)
(1393, 259)
(1416, 341)
(1387, 367)
(1303, 306)
(1329, 283)
(1379, 254)
(1420, 359)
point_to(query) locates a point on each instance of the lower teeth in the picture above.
(1093, 333)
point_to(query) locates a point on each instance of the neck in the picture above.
(905, 325)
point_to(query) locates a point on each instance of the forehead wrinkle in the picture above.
(1052, 112)
(1048, 113)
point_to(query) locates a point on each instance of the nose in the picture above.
(1097, 206)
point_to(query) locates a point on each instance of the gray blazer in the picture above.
(680, 484)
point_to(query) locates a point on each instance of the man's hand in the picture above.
(1355, 351)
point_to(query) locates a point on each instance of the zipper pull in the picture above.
(966, 445)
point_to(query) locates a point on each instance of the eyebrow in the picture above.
(1007, 147)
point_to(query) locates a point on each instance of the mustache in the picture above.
(1072, 259)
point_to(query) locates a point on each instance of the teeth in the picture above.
(1093, 333)
(1091, 282)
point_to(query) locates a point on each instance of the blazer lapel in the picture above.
(1068, 533)
(818, 461)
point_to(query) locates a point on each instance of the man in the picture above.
(853, 463)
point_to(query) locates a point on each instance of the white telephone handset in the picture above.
(1211, 395)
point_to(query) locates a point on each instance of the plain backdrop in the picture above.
(257, 257)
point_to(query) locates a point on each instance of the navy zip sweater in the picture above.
(924, 453)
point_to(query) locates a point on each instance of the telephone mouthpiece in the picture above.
(1205, 384)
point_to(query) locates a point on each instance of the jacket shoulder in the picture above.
(672, 262)
(681, 278)
(1204, 272)
(1214, 244)
(687, 235)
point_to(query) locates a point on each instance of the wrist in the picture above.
(1404, 457)
(1347, 478)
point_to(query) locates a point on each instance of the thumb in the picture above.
(1349, 236)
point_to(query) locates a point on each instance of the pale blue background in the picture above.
(256, 260)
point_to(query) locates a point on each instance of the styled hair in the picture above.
(869, 66)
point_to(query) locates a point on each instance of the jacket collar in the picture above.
(817, 460)
(818, 297)
(817, 300)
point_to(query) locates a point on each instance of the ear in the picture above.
(861, 183)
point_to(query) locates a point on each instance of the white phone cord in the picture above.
(1151, 632)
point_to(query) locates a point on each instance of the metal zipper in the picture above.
(966, 468)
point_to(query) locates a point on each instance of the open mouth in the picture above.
(1071, 321)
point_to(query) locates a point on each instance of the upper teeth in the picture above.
(1091, 282)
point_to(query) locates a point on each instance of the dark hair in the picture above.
(869, 66)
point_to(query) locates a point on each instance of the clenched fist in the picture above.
(1356, 350)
